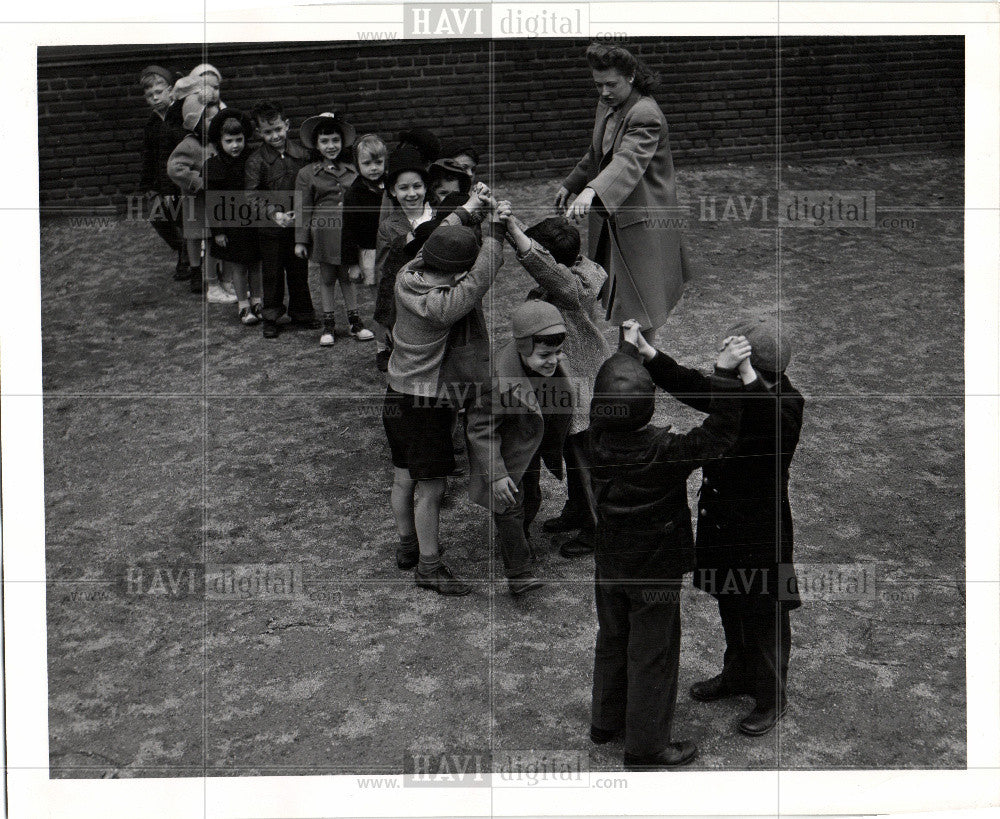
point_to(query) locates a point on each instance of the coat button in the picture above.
(704, 481)
(703, 512)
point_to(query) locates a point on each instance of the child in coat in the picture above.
(743, 552)
(186, 168)
(439, 311)
(271, 174)
(550, 252)
(319, 202)
(361, 208)
(233, 244)
(638, 489)
(159, 138)
(520, 422)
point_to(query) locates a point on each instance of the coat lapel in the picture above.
(633, 98)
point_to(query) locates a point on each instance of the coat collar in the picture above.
(292, 149)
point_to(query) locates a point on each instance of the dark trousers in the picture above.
(636, 661)
(279, 265)
(576, 497)
(513, 522)
(758, 643)
(166, 218)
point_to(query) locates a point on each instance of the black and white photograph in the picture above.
(503, 409)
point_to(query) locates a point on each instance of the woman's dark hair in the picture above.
(558, 237)
(601, 57)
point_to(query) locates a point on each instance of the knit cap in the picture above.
(451, 249)
(156, 71)
(205, 68)
(624, 395)
(769, 352)
(536, 318)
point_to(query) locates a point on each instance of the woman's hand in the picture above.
(562, 200)
(503, 491)
(578, 211)
(301, 250)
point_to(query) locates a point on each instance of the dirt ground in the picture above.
(175, 438)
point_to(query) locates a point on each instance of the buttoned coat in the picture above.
(744, 539)
(634, 181)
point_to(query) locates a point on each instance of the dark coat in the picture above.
(361, 209)
(224, 183)
(744, 516)
(639, 484)
(159, 138)
(509, 424)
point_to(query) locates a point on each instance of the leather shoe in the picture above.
(673, 756)
(582, 544)
(562, 523)
(714, 689)
(407, 556)
(761, 720)
(601, 736)
(442, 581)
(524, 582)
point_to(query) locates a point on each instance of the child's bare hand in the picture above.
(630, 329)
(301, 251)
(733, 353)
(221, 240)
(283, 219)
(747, 373)
(482, 190)
(504, 490)
(504, 210)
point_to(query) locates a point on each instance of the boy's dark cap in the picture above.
(215, 127)
(405, 158)
(424, 141)
(451, 249)
(624, 395)
(770, 352)
(156, 71)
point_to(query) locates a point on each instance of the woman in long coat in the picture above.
(625, 184)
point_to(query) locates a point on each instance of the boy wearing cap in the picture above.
(319, 202)
(271, 172)
(550, 252)
(743, 550)
(520, 422)
(644, 546)
(439, 317)
(159, 138)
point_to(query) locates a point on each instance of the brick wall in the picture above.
(839, 96)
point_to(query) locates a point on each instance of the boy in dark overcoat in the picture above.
(644, 546)
(743, 551)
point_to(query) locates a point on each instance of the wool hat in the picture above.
(205, 68)
(769, 351)
(192, 110)
(405, 158)
(424, 141)
(307, 133)
(451, 249)
(624, 395)
(156, 71)
(215, 127)
(536, 318)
